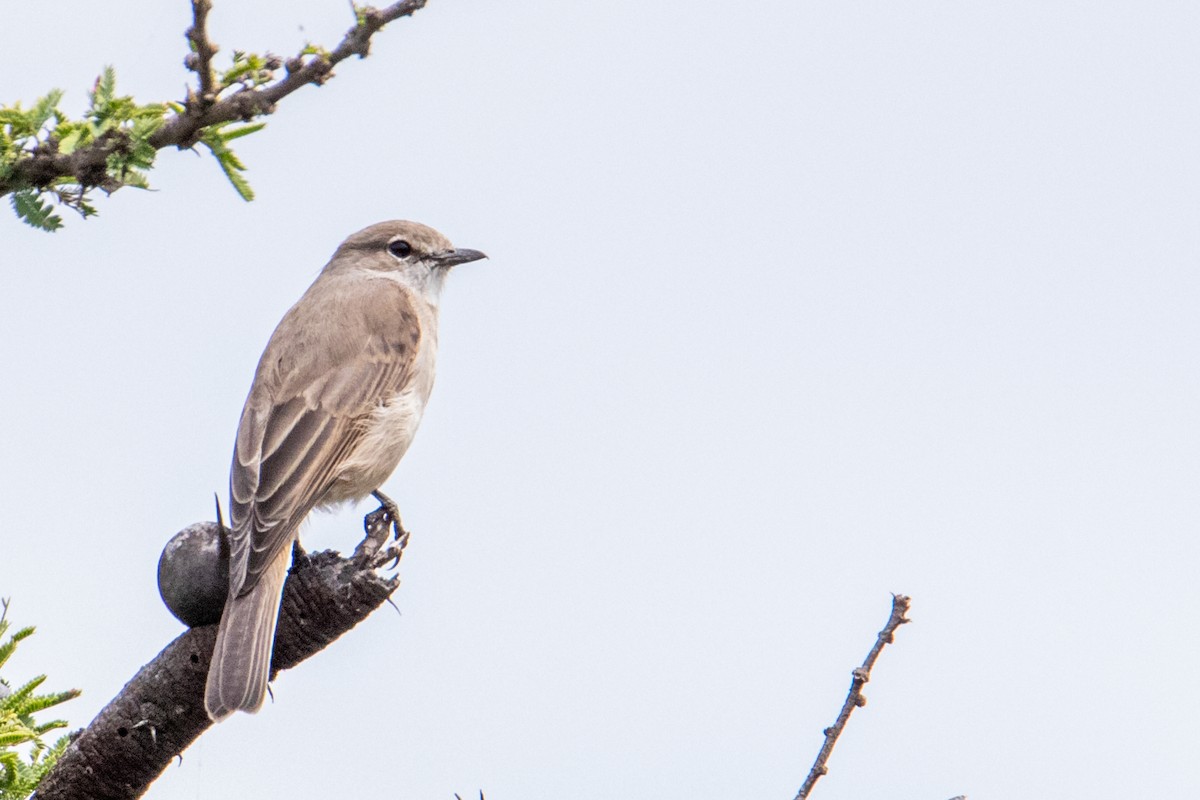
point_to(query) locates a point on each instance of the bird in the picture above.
(335, 402)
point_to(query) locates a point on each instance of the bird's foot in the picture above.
(380, 524)
(387, 515)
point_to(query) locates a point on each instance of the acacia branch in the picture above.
(88, 166)
(246, 104)
(212, 105)
(161, 710)
(855, 698)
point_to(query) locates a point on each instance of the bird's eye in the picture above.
(399, 248)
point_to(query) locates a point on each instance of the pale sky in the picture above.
(789, 306)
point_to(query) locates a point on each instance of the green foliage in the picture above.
(250, 70)
(110, 112)
(216, 139)
(34, 211)
(48, 159)
(115, 133)
(19, 731)
(114, 123)
(311, 49)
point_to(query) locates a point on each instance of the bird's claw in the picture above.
(391, 553)
(379, 525)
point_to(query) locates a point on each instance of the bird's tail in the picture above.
(241, 660)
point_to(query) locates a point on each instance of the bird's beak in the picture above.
(460, 256)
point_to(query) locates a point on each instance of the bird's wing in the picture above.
(345, 349)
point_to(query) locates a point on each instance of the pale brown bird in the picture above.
(336, 400)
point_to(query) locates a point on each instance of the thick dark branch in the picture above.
(86, 165)
(855, 698)
(161, 711)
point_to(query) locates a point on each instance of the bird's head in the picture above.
(416, 254)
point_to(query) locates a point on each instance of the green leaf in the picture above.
(13, 116)
(45, 108)
(8, 647)
(245, 130)
(11, 763)
(20, 123)
(129, 177)
(105, 88)
(232, 172)
(19, 696)
(14, 736)
(19, 776)
(43, 701)
(71, 141)
(33, 211)
(214, 139)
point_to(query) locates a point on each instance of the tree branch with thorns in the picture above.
(49, 160)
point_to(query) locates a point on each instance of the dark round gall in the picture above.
(193, 574)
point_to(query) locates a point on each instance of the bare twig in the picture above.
(855, 698)
(213, 105)
(199, 60)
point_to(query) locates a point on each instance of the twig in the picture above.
(855, 698)
(199, 60)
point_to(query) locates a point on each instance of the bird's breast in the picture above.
(390, 430)
(387, 433)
